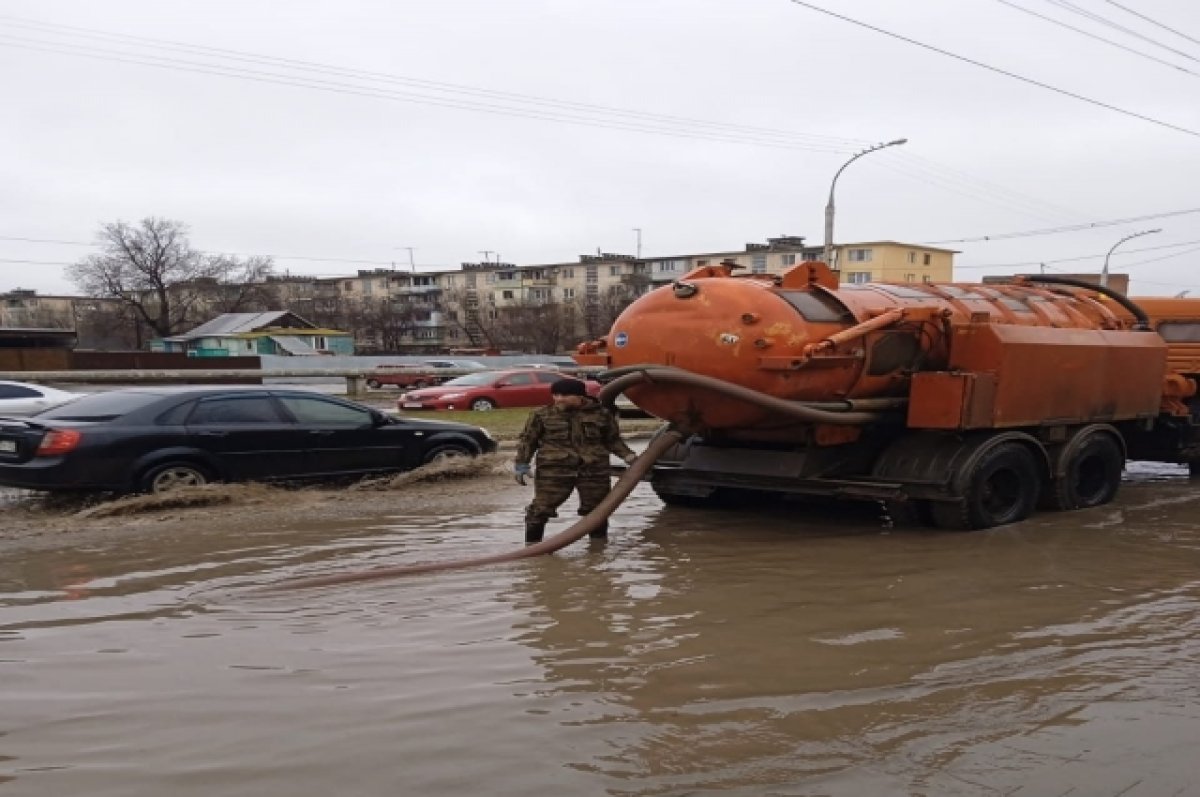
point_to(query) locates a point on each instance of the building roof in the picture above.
(856, 244)
(235, 323)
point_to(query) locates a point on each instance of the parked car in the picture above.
(419, 375)
(21, 398)
(524, 387)
(155, 439)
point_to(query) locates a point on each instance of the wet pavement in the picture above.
(792, 650)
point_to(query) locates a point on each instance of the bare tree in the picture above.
(152, 269)
(532, 326)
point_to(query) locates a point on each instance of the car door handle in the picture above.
(321, 432)
(214, 434)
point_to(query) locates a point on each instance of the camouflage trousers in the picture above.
(552, 487)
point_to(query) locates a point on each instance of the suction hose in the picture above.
(624, 486)
(662, 441)
(633, 375)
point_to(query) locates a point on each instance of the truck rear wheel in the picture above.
(373, 384)
(1002, 487)
(1093, 475)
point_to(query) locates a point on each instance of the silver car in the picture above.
(21, 398)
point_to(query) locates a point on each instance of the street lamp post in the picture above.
(828, 257)
(638, 230)
(1104, 271)
(412, 266)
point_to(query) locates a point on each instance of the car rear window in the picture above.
(101, 406)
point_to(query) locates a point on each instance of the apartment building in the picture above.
(494, 304)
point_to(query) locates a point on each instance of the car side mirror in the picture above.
(379, 419)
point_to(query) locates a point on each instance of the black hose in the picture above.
(658, 446)
(635, 375)
(1143, 320)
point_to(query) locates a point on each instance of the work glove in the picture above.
(521, 470)
(630, 459)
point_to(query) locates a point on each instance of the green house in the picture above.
(280, 332)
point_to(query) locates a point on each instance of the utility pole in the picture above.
(829, 206)
(638, 230)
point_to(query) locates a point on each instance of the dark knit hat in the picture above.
(568, 387)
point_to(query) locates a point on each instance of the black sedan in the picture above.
(155, 439)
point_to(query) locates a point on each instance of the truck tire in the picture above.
(420, 383)
(1093, 475)
(373, 384)
(1002, 487)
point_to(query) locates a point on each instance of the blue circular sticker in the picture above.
(620, 340)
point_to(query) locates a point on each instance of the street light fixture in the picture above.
(1104, 271)
(828, 257)
(412, 266)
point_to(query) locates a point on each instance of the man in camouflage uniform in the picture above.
(572, 438)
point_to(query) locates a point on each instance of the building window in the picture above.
(787, 260)
(614, 271)
(858, 277)
(912, 257)
(701, 263)
(928, 258)
(926, 278)
(506, 294)
(758, 264)
(858, 255)
(910, 277)
(349, 286)
(569, 273)
(568, 293)
(492, 315)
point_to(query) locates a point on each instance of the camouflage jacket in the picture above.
(572, 439)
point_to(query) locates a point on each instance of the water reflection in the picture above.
(718, 658)
(791, 650)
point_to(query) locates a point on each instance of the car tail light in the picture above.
(58, 441)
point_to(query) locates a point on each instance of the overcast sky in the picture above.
(324, 133)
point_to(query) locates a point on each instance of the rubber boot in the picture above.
(600, 532)
(534, 532)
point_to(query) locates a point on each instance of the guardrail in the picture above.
(356, 378)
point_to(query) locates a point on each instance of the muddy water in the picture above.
(793, 651)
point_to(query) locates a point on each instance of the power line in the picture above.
(384, 94)
(716, 130)
(998, 70)
(554, 105)
(1110, 42)
(1064, 228)
(1078, 258)
(1152, 22)
(1083, 12)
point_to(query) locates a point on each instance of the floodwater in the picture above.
(788, 651)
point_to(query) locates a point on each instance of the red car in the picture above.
(524, 387)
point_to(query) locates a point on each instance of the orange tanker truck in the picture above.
(959, 405)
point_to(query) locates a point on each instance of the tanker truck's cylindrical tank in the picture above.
(753, 331)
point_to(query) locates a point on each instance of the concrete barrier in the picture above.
(356, 378)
